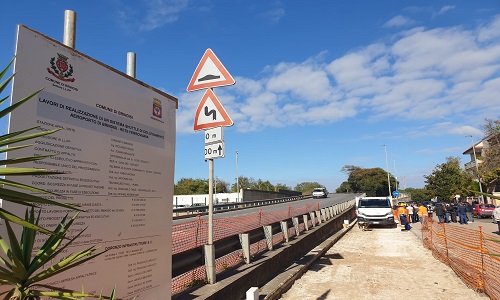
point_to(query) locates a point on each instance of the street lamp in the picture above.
(387, 168)
(237, 180)
(395, 176)
(477, 168)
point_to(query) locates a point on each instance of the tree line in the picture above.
(194, 186)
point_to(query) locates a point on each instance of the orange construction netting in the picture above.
(473, 254)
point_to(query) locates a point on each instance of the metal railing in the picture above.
(223, 207)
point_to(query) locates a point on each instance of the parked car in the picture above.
(483, 210)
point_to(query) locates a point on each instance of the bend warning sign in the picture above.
(210, 113)
(209, 73)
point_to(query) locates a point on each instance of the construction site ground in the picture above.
(382, 263)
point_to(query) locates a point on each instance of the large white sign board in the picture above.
(118, 144)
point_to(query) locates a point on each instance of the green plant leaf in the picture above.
(21, 197)
(25, 187)
(9, 109)
(20, 160)
(17, 136)
(4, 149)
(18, 268)
(28, 235)
(66, 264)
(15, 219)
(27, 171)
(49, 249)
(4, 84)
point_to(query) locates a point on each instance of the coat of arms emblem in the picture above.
(60, 68)
(157, 111)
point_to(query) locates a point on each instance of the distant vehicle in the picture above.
(375, 210)
(320, 193)
(483, 210)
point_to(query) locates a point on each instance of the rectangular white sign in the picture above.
(214, 135)
(118, 146)
(215, 150)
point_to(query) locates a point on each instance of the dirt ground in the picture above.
(382, 263)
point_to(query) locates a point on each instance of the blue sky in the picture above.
(319, 84)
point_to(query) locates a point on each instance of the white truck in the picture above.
(375, 210)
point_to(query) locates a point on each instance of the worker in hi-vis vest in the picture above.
(402, 213)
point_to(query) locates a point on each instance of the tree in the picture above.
(489, 169)
(221, 186)
(190, 186)
(282, 186)
(307, 187)
(448, 179)
(372, 181)
(244, 183)
(419, 195)
(263, 185)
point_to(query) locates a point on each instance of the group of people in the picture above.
(410, 213)
(447, 213)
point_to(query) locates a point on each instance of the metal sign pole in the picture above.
(69, 28)
(210, 248)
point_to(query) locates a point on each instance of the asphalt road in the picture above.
(332, 199)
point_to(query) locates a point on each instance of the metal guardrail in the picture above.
(224, 207)
(193, 258)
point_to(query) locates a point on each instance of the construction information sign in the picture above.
(117, 144)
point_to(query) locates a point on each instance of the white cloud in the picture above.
(274, 15)
(437, 75)
(303, 81)
(398, 21)
(490, 31)
(445, 9)
(150, 14)
(466, 130)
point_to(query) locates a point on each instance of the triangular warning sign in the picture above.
(210, 113)
(209, 73)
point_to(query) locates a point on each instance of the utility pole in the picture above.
(237, 179)
(387, 169)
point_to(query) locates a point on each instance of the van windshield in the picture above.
(379, 203)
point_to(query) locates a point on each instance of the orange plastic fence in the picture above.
(193, 234)
(472, 254)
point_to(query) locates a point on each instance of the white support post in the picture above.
(268, 232)
(252, 294)
(245, 246)
(295, 222)
(306, 223)
(318, 216)
(284, 229)
(210, 262)
(313, 219)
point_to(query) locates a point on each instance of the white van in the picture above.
(320, 193)
(375, 210)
